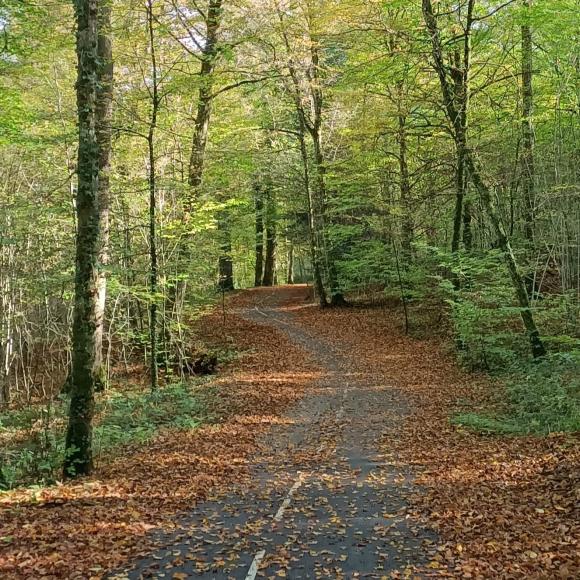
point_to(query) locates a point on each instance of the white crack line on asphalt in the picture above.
(277, 518)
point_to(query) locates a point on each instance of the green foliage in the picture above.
(34, 450)
(542, 398)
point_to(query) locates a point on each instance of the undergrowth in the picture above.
(540, 398)
(32, 438)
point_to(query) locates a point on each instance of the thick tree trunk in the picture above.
(271, 242)
(104, 113)
(78, 458)
(259, 244)
(336, 296)
(527, 159)
(454, 115)
(270, 261)
(312, 221)
(205, 100)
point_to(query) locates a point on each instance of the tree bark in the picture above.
(537, 346)
(205, 100)
(152, 179)
(259, 244)
(336, 296)
(312, 219)
(78, 459)
(225, 263)
(315, 130)
(104, 114)
(527, 159)
(290, 271)
(316, 227)
(271, 242)
(467, 230)
(404, 188)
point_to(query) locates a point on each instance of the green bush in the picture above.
(541, 398)
(35, 436)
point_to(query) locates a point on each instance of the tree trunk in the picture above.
(225, 263)
(312, 220)
(405, 188)
(454, 115)
(460, 186)
(152, 178)
(290, 271)
(78, 458)
(336, 296)
(271, 242)
(104, 113)
(537, 346)
(527, 160)
(205, 99)
(259, 244)
(316, 228)
(467, 231)
(209, 56)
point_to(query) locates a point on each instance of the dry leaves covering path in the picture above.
(322, 501)
(333, 458)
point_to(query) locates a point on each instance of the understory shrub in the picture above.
(33, 438)
(540, 398)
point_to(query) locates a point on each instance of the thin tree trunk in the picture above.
(209, 56)
(460, 186)
(290, 271)
(225, 263)
(405, 188)
(527, 160)
(259, 244)
(336, 296)
(78, 459)
(460, 93)
(316, 228)
(467, 230)
(104, 112)
(537, 346)
(152, 179)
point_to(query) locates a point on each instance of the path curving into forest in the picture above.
(325, 500)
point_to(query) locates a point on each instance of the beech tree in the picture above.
(457, 117)
(78, 459)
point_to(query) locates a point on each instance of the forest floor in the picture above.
(331, 455)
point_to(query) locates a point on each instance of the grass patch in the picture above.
(541, 398)
(32, 439)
